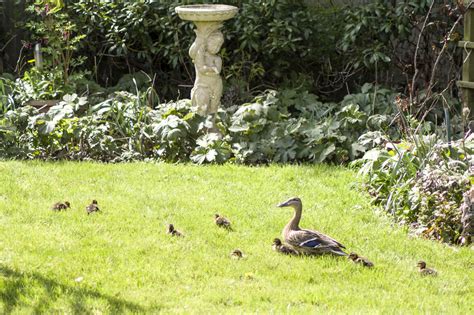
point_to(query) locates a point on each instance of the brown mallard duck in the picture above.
(173, 232)
(360, 260)
(424, 271)
(306, 241)
(93, 207)
(58, 206)
(278, 246)
(236, 254)
(222, 221)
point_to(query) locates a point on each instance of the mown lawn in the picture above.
(121, 260)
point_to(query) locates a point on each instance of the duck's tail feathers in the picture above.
(338, 252)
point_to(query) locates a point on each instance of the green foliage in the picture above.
(269, 44)
(371, 29)
(266, 43)
(6, 95)
(210, 148)
(298, 127)
(40, 85)
(287, 126)
(403, 41)
(421, 183)
(51, 29)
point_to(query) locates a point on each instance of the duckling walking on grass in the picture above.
(279, 247)
(360, 260)
(93, 207)
(222, 221)
(236, 254)
(425, 271)
(173, 232)
(305, 241)
(58, 206)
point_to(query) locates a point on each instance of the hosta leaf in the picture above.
(326, 152)
(174, 134)
(372, 155)
(198, 158)
(47, 127)
(211, 155)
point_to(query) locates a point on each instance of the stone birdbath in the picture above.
(208, 18)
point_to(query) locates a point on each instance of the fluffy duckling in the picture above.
(222, 221)
(93, 207)
(173, 232)
(236, 254)
(425, 271)
(58, 206)
(278, 246)
(360, 260)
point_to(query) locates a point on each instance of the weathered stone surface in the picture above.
(207, 91)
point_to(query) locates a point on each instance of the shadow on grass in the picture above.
(18, 286)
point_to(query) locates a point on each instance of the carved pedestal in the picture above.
(207, 91)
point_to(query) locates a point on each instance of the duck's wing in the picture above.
(326, 239)
(313, 240)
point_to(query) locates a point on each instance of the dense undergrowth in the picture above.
(286, 126)
(422, 183)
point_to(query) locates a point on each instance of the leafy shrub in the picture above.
(268, 42)
(211, 149)
(52, 29)
(421, 183)
(287, 126)
(6, 95)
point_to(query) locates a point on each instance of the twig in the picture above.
(8, 42)
(433, 72)
(415, 60)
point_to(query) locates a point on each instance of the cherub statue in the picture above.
(207, 91)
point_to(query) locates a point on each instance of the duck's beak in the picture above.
(283, 204)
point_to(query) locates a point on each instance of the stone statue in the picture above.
(208, 18)
(207, 91)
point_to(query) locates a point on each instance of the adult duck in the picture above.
(306, 241)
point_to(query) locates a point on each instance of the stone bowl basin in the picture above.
(206, 12)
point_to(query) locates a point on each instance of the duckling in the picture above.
(93, 207)
(278, 246)
(222, 221)
(236, 254)
(173, 232)
(425, 271)
(360, 260)
(58, 206)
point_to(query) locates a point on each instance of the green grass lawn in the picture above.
(128, 263)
